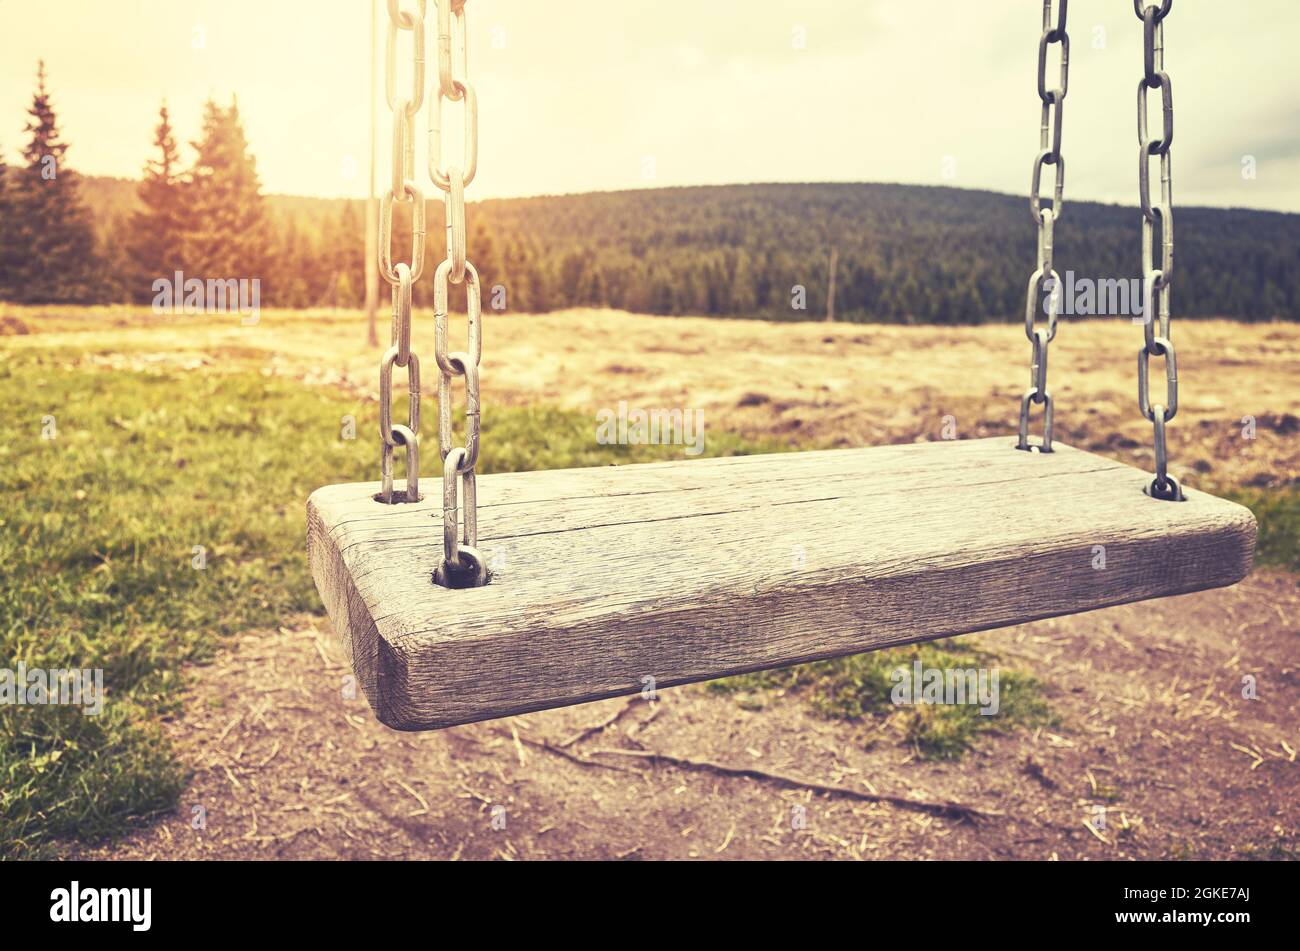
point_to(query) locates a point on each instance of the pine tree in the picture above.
(116, 284)
(158, 227)
(7, 247)
(51, 240)
(226, 237)
(345, 248)
(288, 279)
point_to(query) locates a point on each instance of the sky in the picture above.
(591, 95)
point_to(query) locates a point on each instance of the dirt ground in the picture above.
(1158, 753)
(1158, 756)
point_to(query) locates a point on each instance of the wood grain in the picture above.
(691, 570)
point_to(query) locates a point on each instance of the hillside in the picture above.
(906, 253)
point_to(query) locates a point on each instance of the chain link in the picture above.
(402, 276)
(1046, 213)
(1157, 237)
(451, 28)
(413, 23)
(462, 565)
(1160, 14)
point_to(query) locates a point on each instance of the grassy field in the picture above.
(164, 510)
(100, 529)
(162, 506)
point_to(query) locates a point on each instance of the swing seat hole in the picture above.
(1172, 492)
(472, 573)
(1033, 447)
(399, 496)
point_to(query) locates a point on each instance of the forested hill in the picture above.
(905, 252)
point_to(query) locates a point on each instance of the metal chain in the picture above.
(403, 276)
(1045, 217)
(1157, 234)
(462, 565)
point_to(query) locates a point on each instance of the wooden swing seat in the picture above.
(686, 571)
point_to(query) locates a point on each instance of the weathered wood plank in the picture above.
(690, 570)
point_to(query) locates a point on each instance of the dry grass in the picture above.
(811, 384)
